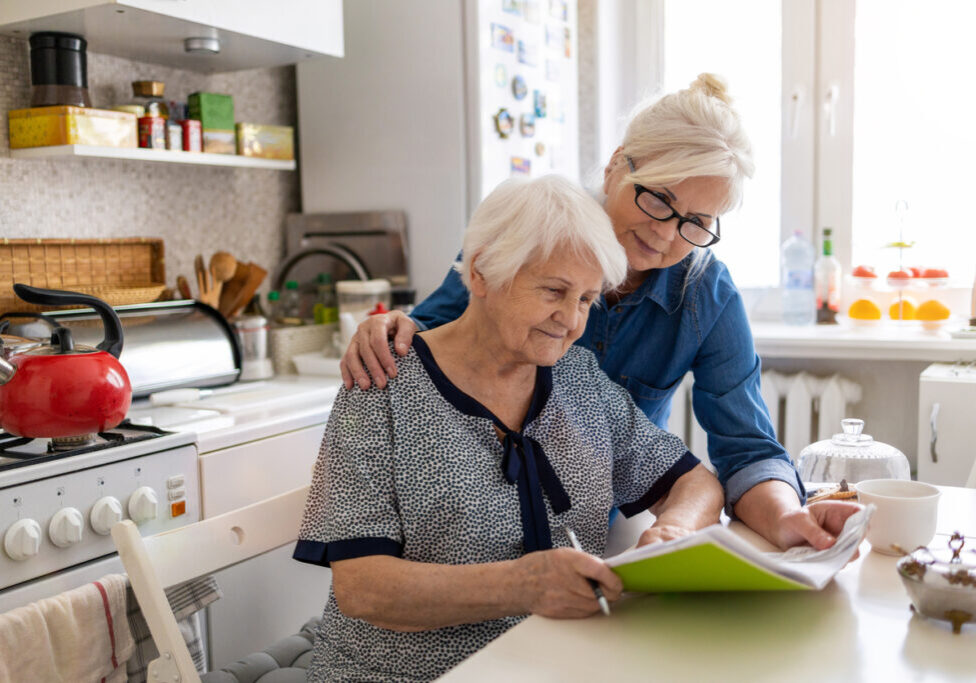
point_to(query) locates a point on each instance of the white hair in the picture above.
(525, 221)
(688, 134)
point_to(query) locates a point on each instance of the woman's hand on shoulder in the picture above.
(556, 583)
(369, 349)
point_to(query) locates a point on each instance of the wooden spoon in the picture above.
(184, 287)
(222, 268)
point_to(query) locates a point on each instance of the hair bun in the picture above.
(711, 85)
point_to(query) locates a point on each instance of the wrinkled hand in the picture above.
(369, 349)
(556, 585)
(817, 524)
(665, 532)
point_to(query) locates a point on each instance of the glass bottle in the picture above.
(797, 280)
(826, 278)
(291, 304)
(326, 309)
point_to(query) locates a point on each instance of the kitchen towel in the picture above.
(78, 635)
(186, 600)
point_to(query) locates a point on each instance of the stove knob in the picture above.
(66, 527)
(106, 513)
(23, 539)
(143, 505)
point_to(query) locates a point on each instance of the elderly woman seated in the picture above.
(441, 502)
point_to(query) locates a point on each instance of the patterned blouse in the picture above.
(417, 471)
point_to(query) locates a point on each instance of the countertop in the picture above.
(858, 628)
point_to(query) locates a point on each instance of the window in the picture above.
(914, 139)
(744, 48)
(852, 108)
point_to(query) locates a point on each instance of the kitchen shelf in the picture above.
(141, 154)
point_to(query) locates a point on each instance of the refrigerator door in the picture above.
(946, 430)
(527, 117)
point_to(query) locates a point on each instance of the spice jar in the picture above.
(149, 95)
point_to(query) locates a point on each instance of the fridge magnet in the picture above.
(554, 37)
(502, 38)
(540, 149)
(539, 103)
(521, 166)
(552, 70)
(527, 125)
(504, 123)
(519, 88)
(559, 9)
(527, 53)
(501, 75)
(512, 6)
(530, 11)
(568, 42)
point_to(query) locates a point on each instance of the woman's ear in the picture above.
(608, 169)
(478, 286)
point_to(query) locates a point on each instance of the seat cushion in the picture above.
(283, 662)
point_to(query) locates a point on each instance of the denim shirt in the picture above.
(652, 337)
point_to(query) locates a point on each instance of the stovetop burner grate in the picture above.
(14, 454)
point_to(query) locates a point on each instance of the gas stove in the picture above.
(19, 451)
(57, 508)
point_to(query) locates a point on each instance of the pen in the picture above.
(604, 605)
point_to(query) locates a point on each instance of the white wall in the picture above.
(383, 128)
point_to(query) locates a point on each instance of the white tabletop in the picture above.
(858, 628)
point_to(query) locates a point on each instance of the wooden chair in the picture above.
(172, 557)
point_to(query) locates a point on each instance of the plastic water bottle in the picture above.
(799, 302)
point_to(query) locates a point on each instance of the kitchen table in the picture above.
(858, 628)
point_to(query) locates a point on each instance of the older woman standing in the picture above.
(441, 502)
(681, 165)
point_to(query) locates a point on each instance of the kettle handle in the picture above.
(57, 297)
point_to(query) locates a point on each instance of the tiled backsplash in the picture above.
(195, 209)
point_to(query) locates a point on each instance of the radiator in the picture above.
(803, 409)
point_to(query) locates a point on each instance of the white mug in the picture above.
(906, 515)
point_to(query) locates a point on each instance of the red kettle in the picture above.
(59, 389)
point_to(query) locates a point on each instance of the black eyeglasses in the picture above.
(658, 206)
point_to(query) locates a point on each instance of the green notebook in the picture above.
(717, 559)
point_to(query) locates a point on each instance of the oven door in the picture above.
(59, 582)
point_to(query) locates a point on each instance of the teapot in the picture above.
(59, 389)
(853, 456)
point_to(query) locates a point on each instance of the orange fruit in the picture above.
(864, 309)
(932, 309)
(903, 310)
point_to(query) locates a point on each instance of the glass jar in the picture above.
(149, 95)
(359, 298)
(852, 456)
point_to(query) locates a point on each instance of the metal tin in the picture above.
(152, 132)
(942, 584)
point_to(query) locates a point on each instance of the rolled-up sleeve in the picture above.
(351, 509)
(726, 398)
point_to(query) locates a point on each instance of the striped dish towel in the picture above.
(186, 600)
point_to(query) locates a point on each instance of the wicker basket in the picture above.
(286, 342)
(118, 271)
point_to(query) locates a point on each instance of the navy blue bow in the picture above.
(525, 465)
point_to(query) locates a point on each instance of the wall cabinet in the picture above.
(252, 33)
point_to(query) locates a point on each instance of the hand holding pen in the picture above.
(597, 591)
